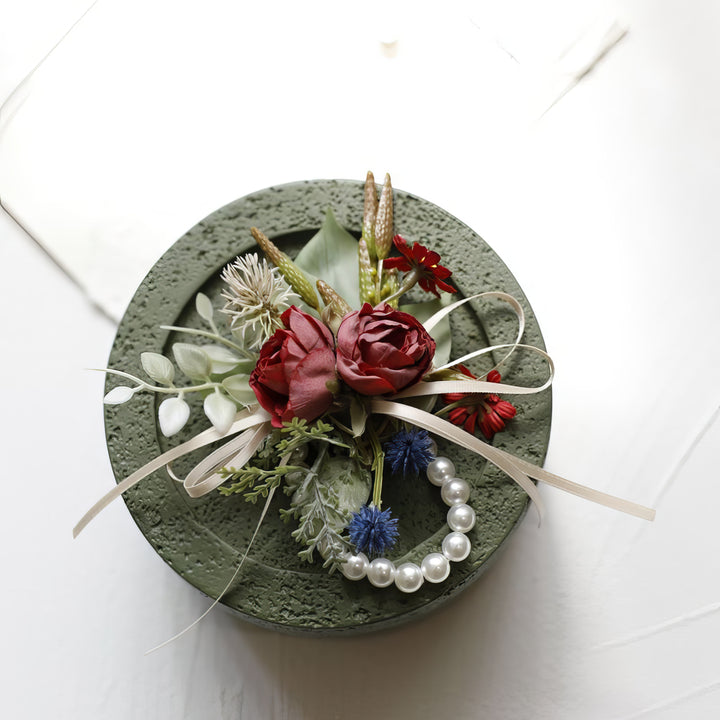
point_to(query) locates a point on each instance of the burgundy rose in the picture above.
(382, 350)
(294, 367)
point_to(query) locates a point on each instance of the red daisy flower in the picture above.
(424, 263)
(487, 410)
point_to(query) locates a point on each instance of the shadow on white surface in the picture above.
(454, 662)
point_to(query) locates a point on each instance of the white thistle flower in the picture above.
(256, 296)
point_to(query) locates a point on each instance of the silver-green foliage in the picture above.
(323, 500)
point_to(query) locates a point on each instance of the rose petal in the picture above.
(309, 396)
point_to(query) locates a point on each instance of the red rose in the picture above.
(294, 367)
(382, 350)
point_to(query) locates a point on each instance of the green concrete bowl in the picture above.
(203, 539)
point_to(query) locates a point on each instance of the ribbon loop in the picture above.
(204, 477)
(433, 320)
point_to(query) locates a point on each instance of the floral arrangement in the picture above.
(329, 384)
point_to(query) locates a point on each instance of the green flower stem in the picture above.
(213, 327)
(172, 390)
(378, 281)
(218, 338)
(447, 408)
(377, 466)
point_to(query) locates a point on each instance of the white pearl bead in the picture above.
(440, 470)
(461, 518)
(455, 491)
(408, 577)
(435, 567)
(456, 546)
(433, 448)
(381, 572)
(355, 567)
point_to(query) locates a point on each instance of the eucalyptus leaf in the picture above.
(119, 395)
(441, 332)
(158, 367)
(173, 413)
(220, 411)
(332, 255)
(192, 360)
(204, 307)
(222, 359)
(238, 387)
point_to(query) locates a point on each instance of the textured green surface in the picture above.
(203, 539)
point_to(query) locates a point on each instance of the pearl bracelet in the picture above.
(435, 567)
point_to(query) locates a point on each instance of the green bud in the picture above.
(384, 221)
(295, 277)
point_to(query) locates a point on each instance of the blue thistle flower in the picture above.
(408, 451)
(373, 530)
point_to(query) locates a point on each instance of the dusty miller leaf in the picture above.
(324, 502)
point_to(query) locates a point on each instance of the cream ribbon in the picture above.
(519, 470)
(251, 418)
(254, 426)
(433, 320)
(231, 581)
(440, 387)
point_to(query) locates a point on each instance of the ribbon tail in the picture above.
(230, 582)
(244, 419)
(428, 421)
(519, 470)
(582, 491)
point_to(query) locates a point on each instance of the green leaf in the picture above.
(119, 395)
(441, 332)
(192, 360)
(173, 413)
(220, 411)
(333, 489)
(239, 389)
(158, 367)
(204, 307)
(332, 256)
(351, 482)
(222, 359)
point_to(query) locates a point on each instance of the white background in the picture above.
(151, 115)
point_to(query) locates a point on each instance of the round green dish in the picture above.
(203, 539)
